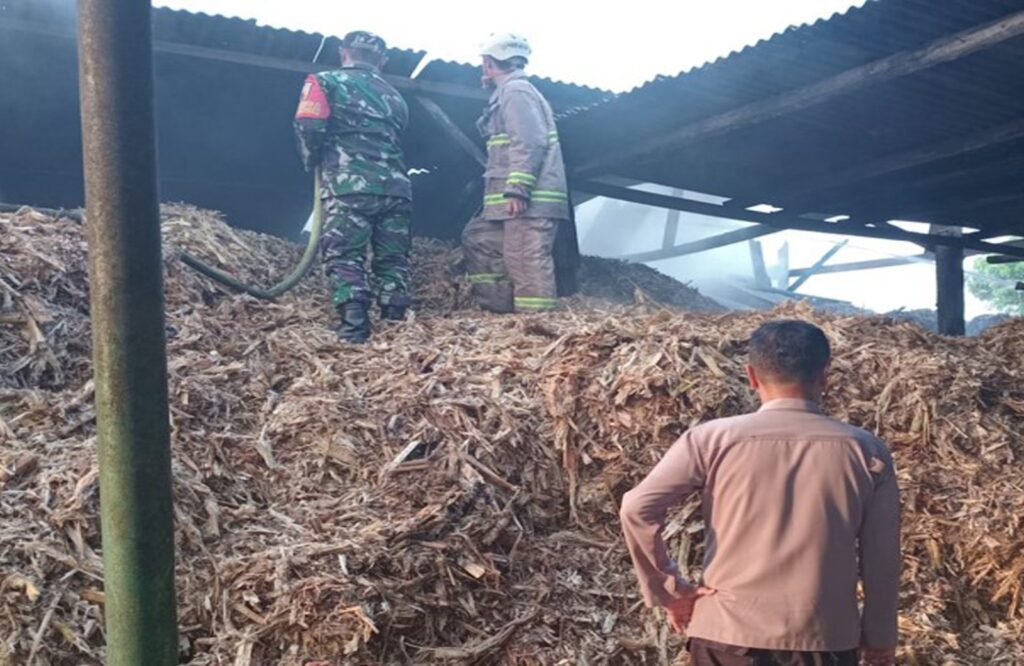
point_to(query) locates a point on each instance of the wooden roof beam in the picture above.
(958, 209)
(703, 244)
(1014, 228)
(817, 267)
(808, 192)
(851, 266)
(786, 221)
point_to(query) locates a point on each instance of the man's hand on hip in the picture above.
(874, 657)
(680, 610)
(517, 206)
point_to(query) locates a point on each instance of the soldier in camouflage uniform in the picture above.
(348, 123)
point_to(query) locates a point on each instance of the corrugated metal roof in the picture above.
(662, 78)
(247, 36)
(810, 52)
(954, 99)
(224, 110)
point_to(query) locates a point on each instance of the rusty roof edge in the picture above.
(760, 43)
(63, 11)
(419, 53)
(255, 23)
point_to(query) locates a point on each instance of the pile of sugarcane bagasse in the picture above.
(448, 493)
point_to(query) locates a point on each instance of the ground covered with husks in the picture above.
(448, 493)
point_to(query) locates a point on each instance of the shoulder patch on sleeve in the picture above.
(313, 103)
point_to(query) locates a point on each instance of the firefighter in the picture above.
(508, 245)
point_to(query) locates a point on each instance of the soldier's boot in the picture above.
(355, 322)
(392, 312)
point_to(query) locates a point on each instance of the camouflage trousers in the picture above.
(510, 264)
(354, 223)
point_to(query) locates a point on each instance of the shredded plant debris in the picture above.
(448, 493)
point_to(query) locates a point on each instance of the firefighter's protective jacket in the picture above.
(524, 158)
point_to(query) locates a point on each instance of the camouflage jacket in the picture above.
(524, 158)
(349, 123)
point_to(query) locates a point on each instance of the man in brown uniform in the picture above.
(798, 509)
(508, 246)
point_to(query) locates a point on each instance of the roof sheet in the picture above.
(951, 100)
(248, 36)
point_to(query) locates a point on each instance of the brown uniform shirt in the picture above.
(798, 507)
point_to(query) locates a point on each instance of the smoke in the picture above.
(611, 228)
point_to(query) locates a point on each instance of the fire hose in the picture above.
(290, 280)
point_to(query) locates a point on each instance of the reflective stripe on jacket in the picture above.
(524, 158)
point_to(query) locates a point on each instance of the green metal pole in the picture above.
(129, 355)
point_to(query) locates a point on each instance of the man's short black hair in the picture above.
(789, 350)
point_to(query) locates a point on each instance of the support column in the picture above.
(127, 314)
(566, 254)
(668, 240)
(949, 284)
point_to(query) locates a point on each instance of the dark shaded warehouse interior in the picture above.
(226, 92)
(896, 110)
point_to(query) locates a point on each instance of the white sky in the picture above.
(615, 46)
(609, 45)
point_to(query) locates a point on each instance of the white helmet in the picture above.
(505, 46)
